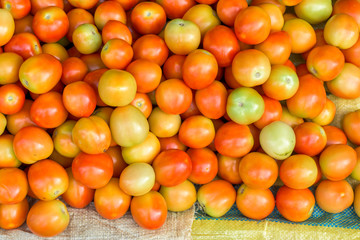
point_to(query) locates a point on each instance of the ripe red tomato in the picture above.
(74, 69)
(148, 18)
(116, 53)
(109, 10)
(310, 138)
(24, 44)
(12, 98)
(334, 135)
(204, 165)
(13, 216)
(14, 185)
(151, 47)
(227, 10)
(228, 169)
(272, 112)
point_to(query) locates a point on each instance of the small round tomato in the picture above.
(228, 9)
(20, 119)
(8, 158)
(151, 47)
(310, 139)
(17, 8)
(233, 140)
(180, 197)
(10, 64)
(137, 179)
(211, 101)
(347, 83)
(24, 24)
(314, 12)
(310, 98)
(32, 144)
(12, 98)
(116, 53)
(143, 152)
(351, 54)
(13, 216)
(182, 36)
(255, 203)
(40, 73)
(341, 31)
(149, 210)
(204, 165)
(298, 27)
(173, 96)
(272, 112)
(86, 38)
(146, 73)
(173, 66)
(92, 170)
(77, 17)
(57, 50)
(172, 167)
(228, 169)
(48, 218)
(334, 135)
(39, 4)
(47, 179)
(14, 185)
(171, 143)
(77, 194)
(109, 10)
(143, 103)
(74, 69)
(148, 18)
(295, 205)
(351, 126)
(199, 126)
(334, 196)
(275, 14)
(50, 24)
(163, 124)
(63, 142)
(128, 126)
(216, 197)
(258, 170)
(116, 29)
(176, 9)
(337, 161)
(24, 44)
(327, 115)
(298, 171)
(79, 99)
(252, 25)
(110, 201)
(7, 26)
(118, 161)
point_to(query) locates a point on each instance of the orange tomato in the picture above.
(272, 112)
(204, 165)
(151, 47)
(109, 10)
(14, 185)
(334, 135)
(228, 169)
(148, 18)
(347, 83)
(7, 26)
(310, 139)
(12, 98)
(24, 44)
(116, 29)
(13, 216)
(228, 9)
(143, 103)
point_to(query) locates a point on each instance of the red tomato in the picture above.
(148, 18)
(109, 10)
(172, 167)
(83, 4)
(334, 135)
(39, 4)
(173, 66)
(77, 17)
(116, 29)
(176, 9)
(310, 139)
(12, 99)
(93, 79)
(204, 165)
(20, 119)
(13, 215)
(92, 170)
(227, 10)
(272, 113)
(116, 53)
(351, 126)
(149, 210)
(171, 143)
(14, 185)
(25, 44)
(74, 69)
(17, 8)
(151, 47)
(228, 169)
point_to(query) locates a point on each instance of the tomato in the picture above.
(63, 142)
(295, 205)
(314, 12)
(48, 218)
(327, 115)
(14, 185)
(299, 27)
(176, 9)
(39, 4)
(351, 54)
(109, 10)
(255, 203)
(77, 17)
(12, 98)
(149, 211)
(341, 31)
(143, 152)
(17, 8)
(334, 135)
(310, 139)
(116, 29)
(347, 83)
(83, 4)
(7, 26)
(272, 112)
(233, 140)
(77, 195)
(252, 25)
(10, 64)
(118, 161)
(171, 143)
(310, 98)
(79, 99)
(351, 126)
(203, 16)
(24, 24)
(13, 215)
(275, 14)
(151, 47)
(24, 44)
(146, 73)
(227, 10)
(56, 50)
(137, 179)
(334, 196)
(211, 101)
(92, 170)
(172, 167)
(245, 105)
(278, 140)
(173, 66)
(280, 5)
(32, 144)
(110, 201)
(148, 18)
(204, 165)
(199, 126)
(216, 198)
(143, 103)
(8, 158)
(116, 53)
(128, 126)
(182, 36)
(337, 161)
(74, 69)
(50, 24)
(86, 38)
(228, 169)
(20, 119)
(289, 118)
(355, 174)
(40, 73)
(180, 197)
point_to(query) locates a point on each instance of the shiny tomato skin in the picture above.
(204, 165)
(14, 185)
(13, 216)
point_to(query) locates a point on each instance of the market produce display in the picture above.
(151, 106)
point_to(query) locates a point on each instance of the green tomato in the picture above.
(245, 105)
(314, 11)
(278, 140)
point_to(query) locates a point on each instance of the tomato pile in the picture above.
(131, 103)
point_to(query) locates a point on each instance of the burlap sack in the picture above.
(88, 224)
